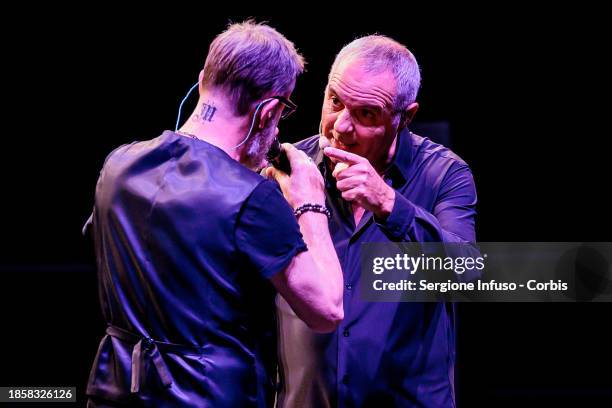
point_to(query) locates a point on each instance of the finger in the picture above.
(347, 184)
(265, 172)
(293, 154)
(270, 172)
(349, 195)
(342, 155)
(357, 170)
(278, 175)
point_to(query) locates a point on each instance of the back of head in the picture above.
(379, 53)
(249, 60)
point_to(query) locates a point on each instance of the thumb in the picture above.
(338, 168)
(292, 153)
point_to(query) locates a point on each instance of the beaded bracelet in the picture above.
(312, 207)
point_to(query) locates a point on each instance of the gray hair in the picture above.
(380, 53)
(250, 59)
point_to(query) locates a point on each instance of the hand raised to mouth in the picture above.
(360, 183)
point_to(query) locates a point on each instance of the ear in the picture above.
(200, 78)
(408, 114)
(266, 113)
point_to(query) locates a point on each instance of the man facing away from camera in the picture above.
(191, 243)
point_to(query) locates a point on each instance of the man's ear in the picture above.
(266, 113)
(408, 114)
(200, 78)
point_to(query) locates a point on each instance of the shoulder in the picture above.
(129, 151)
(433, 157)
(267, 194)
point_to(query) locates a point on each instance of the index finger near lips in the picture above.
(342, 155)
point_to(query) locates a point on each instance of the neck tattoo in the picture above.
(207, 112)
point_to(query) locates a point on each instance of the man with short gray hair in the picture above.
(191, 243)
(383, 184)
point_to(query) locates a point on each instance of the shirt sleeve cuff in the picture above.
(280, 264)
(402, 215)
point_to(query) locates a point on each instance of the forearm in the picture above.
(315, 230)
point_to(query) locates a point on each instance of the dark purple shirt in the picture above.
(385, 354)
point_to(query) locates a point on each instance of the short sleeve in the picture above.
(267, 232)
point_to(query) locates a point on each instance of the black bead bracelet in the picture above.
(312, 207)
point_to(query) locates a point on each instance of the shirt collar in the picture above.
(399, 167)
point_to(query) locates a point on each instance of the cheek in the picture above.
(370, 136)
(327, 123)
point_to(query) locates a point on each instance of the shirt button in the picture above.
(346, 333)
(349, 286)
(345, 379)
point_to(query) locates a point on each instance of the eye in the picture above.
(335, 101)
(366, 113)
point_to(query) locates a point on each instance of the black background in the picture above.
(521, 89)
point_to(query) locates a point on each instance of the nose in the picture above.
(343, 123)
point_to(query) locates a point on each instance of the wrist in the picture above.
(386, 206)
(312, 208)
(304, 201)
